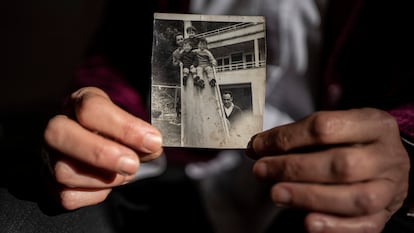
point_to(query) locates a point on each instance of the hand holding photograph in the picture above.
(208, 79)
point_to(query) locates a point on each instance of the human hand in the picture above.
(348, 168)
(97, 147)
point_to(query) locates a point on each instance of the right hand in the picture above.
(348, 168)
(96, 148)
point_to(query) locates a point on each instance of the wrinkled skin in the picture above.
(96, 147)
(348, 168)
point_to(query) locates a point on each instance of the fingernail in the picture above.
(152, 143)
(316, 226)
(127, 166)
(282, 196)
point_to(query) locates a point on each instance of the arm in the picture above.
(211, 57)
(195, 58)
(176, 56)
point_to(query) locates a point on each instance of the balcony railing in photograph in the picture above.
(240, 66)
(234, 27)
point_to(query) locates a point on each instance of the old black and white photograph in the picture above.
(208, 79)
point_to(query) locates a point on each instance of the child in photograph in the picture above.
(190, 61)
(191, 32)
(206, 61)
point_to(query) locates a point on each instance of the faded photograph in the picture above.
(208, 79)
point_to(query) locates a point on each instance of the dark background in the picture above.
(41, 44)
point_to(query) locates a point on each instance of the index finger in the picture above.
(323, 128)
(96, 112)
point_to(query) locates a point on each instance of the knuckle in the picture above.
(104, 153)
(292, 168)
(388, 121)
(368, 202)
(129, 131)
(344, 166)
(101, 152)
(282, 140)
(323, 126)
(84, 105)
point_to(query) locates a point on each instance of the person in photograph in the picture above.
(232, 111)
(179, 39)
(189, 61)
(191, 36)
(206, 62)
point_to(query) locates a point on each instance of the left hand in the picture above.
(348, 168)
(96, 147)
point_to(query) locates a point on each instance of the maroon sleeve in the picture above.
(405, 118)
(99, 73)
